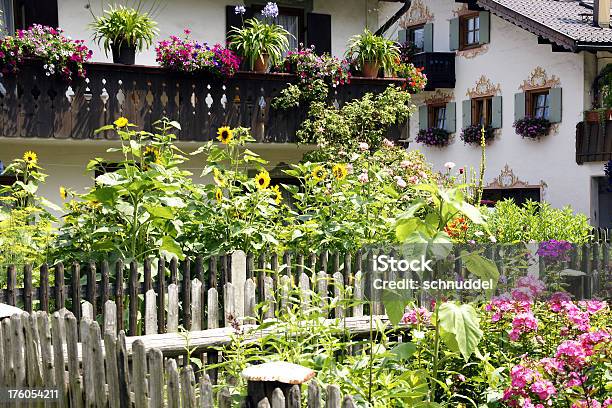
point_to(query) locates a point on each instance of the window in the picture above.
(292, 19)
(437, 116)
(6, 18)
(482, 111)
(470, 30)
(538, 104)
(416, 37)
(520, 195)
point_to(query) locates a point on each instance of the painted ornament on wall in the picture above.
(418, 14)
(531, 126)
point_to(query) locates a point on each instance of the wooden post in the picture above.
(110, 356)
(139, 374)
(125, 400)
(76, 290)
(7, 336)
(59, 339)
(46, 348)
(27, 288)
(156, 375)
(97, 359)
(91, 287)
(206, 392)
(134, 301)
(60, 294)
(43, 289)
(333, 396)
(188, 397)
(173, 393)
(186, 283)
(17, 344)
(314, 395)
(161, 296)
(74, 374)
(11, 285)
(119, 294)
(249, 300)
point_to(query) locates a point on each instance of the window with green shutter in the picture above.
(470, 30)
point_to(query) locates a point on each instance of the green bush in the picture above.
(533, 221)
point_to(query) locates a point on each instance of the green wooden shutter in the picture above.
(485, 27)
(496, 117)
(451, 117)
(454, 34)
(402, 36)
(466, 112)
(428, 37)
(519, 106)
(423, 117)
(555, 105)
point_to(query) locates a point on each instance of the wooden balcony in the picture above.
(33, 105)
(439, 68)
(593, 142)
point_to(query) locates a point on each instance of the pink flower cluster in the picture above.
(523, 323)
(528, 288)
(61, 55)
(418, 315)
(528, 386)
(184, 54)
(578, 315)
(309, 66)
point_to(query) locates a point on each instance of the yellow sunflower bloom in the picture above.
(278, 195)
(262, 180)
(63, 192)
(121, 122)
(339, 171)
(151, 154)
(30, 158)
(218, 177)
(319, 173)
(218, 195)
(225, 134)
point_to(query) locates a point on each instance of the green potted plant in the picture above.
(261, 43)
(371, 52)
(123, 31)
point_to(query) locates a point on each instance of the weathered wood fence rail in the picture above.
(158, 297)
(39, 351)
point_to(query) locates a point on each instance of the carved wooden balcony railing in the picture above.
(33, 105)
(439, 68)
(593, 141)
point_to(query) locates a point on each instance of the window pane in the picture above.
(470, 37)
(476, 36)
(477, 23)
(418, 38)
(471, 24)
(441, 118)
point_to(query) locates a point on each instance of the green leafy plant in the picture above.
(362, 120)
(121, 26)
(370, 48)
(258, 39)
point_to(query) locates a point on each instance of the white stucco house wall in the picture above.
(529, 45)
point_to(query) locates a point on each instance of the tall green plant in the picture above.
(257, 39)
(370, 48)
(122, 26)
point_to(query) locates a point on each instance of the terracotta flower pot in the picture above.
(124, 55)
(370, 69)
(597, 116)
(261, 63)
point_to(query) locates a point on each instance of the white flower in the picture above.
(270, 10)
(405, 164)
(363, 178)
(387, 143)
(492, 239)
(479, 233)
(449, 165)
(400, 182)
(363, 146)
(240, 9)
(417, 334)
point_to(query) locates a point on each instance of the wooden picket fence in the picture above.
(38, 351)
(204, 294)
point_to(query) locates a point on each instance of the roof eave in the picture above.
(530, 25)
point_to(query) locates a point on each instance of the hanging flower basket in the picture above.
(473, 134)
(532, 128)
(433, 137)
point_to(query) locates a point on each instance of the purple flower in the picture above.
(270, 10)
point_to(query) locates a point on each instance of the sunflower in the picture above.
(121, 122)
(218, 177)
(30, 158)
(319, 173)
(339, 171)
(225, 134)
(218, 195)
(262, 180)
(151, 154)
(63, 192)
(278, 195)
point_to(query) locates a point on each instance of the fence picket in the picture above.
(58, 334)
(173, 308)
(161, 295)
(278, 399)
(76, 290)
(112, 372)
(333, 397)
(46, 349)
(110, 317)
(150, 312)
(295, 397)
(196, 305)
(125, 400)
(60, 294)
(224, 398)
(139, 374)
(11, 285)
(186, 286)
(269, 297)
(156, 375)
(7, 337)
(133, 298)
(97, 359)
(304, 285)
(43, 288)
(105, 282)
(229, 307)
(338, 282)
(187, 379)
(206, 392)
(32, 350)
(74, 375)
(91, 286)
(314, 395)
(249, 300)
(119, 267)
(213, 309)
(172, 385)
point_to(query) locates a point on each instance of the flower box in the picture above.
(532, 128)
(433, 137)
(473, 134)
(598, 115)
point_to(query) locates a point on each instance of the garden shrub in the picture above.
(537, 222)
(362, 120)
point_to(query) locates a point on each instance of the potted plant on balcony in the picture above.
(261, 43)
(433, 137)
(123, 31)
(371, 52)
(603, 91)
(532, 128)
